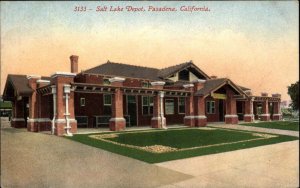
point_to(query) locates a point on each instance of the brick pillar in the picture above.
(265, 116)
(189, 119)
(18, 120)
(117, 121)
(32, 123)
(158, 120)
(276, 111)
(62, 81)
(231, 116)
(248, 116)
(276, 107)
(200, 118)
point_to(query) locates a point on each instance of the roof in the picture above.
(166, 72)
(214, 84)
(132, 71)
(19, 84)
(244, 88)
(210, 85)
(173, 69)
(125, 70)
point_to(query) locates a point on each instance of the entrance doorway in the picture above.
(131, 109)
(221, 110)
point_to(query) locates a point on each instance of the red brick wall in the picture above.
(93, 106)
(175, 118)
(213, 117)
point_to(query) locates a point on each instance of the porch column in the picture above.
(231, 116)
(189, 119)
(32, 123)
(18, 120)
(249, 116)
(265, 116)
(158, 120)
(64, 121)
(117, 121)
(200, 118)
(276, 108)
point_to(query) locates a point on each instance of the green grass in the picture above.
(283, 125)
(177, 138)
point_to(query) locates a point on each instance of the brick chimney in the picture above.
(74, 63)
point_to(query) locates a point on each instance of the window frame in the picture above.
(211, 107)
(106, 81)
(106, 104)
(173, 101)
(82, 101)
(148, 105)
(178, 105)
(145, 84)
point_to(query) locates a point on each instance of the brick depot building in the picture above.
(117, 96)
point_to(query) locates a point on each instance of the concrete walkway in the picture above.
(42, 160)
(269, 166)
(265, 166)
(257, 129)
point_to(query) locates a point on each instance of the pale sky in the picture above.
(255, 44)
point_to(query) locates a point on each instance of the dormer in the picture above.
(183, 72)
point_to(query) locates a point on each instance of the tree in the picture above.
(293, 91)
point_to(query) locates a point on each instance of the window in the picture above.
(82, 101)
(107, 104)
(147, 103)
(181, 105)
(210, 107)
(106, 81)
(145, 84)
(184, 75)
(169, 106)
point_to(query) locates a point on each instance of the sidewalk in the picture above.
(42, 160)
(272, 166)
(257, 129)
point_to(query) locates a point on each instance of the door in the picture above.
(221, 110)
(131, 109)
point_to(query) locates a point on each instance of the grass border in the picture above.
(161, 157)
(272, 125)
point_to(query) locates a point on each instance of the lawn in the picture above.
(157, 145)
(284, 125)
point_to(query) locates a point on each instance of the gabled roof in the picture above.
(244, 88)
(125, 70)
(168, 71)
(165, 72)
(19, 83)
(214, 84)
(132, 71)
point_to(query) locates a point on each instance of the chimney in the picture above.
(74, 63)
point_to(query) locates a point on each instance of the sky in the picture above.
(255, 44)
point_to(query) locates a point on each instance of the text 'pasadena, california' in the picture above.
(142, 9)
